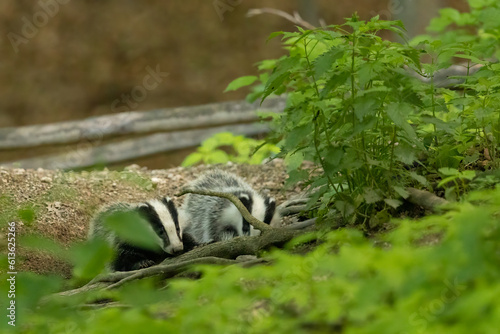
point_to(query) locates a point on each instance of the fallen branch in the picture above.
(301, 225)
(222, 253)
(132, 148)
(115, 279)
(169, 270)
(425, 199)
(295, 18)
(95, 129)
(261, 226)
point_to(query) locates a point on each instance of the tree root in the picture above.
(219, 253)
(425, 199)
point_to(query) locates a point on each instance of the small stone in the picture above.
(19, 171)
(156, 180)
(46, 179)
(133, 167)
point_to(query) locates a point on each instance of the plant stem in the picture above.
(433, 102)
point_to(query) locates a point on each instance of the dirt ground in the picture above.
(64, 202)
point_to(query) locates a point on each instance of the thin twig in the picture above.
(170, 270)
(259, 225)
(295, 19)
(301, 225)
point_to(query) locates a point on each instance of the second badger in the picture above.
(212, 218)
(163, 219)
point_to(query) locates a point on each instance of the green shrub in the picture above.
(242, 150)
(436, 275)
(373, 129)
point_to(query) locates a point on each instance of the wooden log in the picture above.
(136, 122)
(89, 155)
(425, 199)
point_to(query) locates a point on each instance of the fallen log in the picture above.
(136, 122)
(89, 155)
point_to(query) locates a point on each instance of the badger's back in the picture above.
(212, 218)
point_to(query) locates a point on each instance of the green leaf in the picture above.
(447, 171)
(472, 58)
(325, 61)
(39, 243)
(422, 180)
(365, 105)
(90, 258)
(218, 157)
(446, 180)
(405, 154)
(294, 160)
(393, 202)
(371, 195)
(192, 159)
(27, 214)
(227, 138)
(468, 174)
(274, 34)
(241, 82)
(335, 80)
(399, 113)
(131, 227)
(401, 191)
(274, 84)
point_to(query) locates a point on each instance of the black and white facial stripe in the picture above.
(214, 219)
(268, 207)
(162, 217)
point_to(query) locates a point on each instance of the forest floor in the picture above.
(59, 205)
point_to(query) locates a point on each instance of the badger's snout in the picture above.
(173, 249)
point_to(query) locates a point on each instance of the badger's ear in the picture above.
(270, 204)
(146, 210)
(166, 200)
(246, 200)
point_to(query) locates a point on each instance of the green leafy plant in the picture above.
(241, 150)
(459, 180)
(425, 279)
(372, 128)
(350, 107)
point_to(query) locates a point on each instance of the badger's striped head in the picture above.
(262, 208)
(164, 219)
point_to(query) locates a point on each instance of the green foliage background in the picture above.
(243, 150)
(374, 131)
(436, 275)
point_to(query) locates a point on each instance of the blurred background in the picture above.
(67, 59)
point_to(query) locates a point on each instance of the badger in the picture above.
(211, 219)
(163, 219)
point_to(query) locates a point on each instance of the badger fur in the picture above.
(214, 219)
(163, 219)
